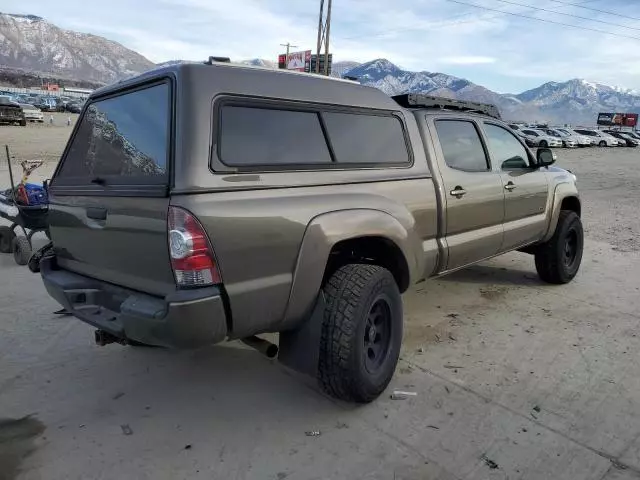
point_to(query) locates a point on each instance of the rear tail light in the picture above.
(192, 257)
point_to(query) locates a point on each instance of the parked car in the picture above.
(541, 139)
(32, 113)
(601, 138)
(527, 140)
(11, 113)
(568, 141)
(218, 245)
(628, 140)
(582, 140)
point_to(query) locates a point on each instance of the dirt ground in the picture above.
(514, 379)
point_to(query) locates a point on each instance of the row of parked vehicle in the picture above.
(33, 104)
(544, 137)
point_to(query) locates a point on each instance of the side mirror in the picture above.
(545, 157)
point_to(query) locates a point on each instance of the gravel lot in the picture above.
(514, 379)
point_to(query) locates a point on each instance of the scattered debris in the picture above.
(341, 425)
(537, 409)
(313, 433)
(421, 350)
(433, 427)
(447, 389)
(118, 395)
(282, 475)
(187, 446)
(81, 426)
(453, 315)
(452, 337)
(452, 367)
(401, 395)
(529, 330)
(406, 370)
(126, 429)
(490, 463)
(438, 339)
(524, 430)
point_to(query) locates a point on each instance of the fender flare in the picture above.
(325, 231)
(562, 191)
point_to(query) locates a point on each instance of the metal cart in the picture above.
(25, 219)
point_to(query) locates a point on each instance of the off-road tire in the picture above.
(6, 239)
(551, 257)
(21, 250)
(352, 293)
(544, 144)
(602, 143)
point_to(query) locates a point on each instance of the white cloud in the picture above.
(467, 60)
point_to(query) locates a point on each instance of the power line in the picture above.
(567, 14)
(595, 9)
(543, 20)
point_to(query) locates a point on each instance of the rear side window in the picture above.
(366, 138)
(461, 146)
(122, 139)
(251, 136)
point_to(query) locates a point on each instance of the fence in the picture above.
(37, 91)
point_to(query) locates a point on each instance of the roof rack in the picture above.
(213, 60)
(420, 100)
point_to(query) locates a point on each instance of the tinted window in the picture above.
(531, 132)
(366, 138)
(505, 149)
(123, 139)
(461, 145)
(262, 136)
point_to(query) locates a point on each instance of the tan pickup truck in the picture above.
(205, 202)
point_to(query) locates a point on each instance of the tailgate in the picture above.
(109, 196)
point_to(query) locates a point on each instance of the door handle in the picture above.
(458, 191)
(97, 213)
(510, 186)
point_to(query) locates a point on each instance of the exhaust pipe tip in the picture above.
(265, 347)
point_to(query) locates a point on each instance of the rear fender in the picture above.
(325, 231)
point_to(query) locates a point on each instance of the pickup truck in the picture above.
(11, 112)
(200, 203)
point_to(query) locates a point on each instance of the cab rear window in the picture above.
(121, 140)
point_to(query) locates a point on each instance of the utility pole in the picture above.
(324, 29)
(289, 46)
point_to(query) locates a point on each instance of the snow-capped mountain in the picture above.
(31, 43)
(575, 101)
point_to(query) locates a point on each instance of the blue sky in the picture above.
(503, 52)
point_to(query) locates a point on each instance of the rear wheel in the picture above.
(602, 143)
(23, 123)
(361, 332)
(558, 260)
(544, 144)
(21, 250)
(6, 239)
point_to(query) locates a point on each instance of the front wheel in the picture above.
(361, 333)
(602, 143)
(6, 239)
(544, 144)
(558, 260)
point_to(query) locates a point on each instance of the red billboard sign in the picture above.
(618, 119)
(297, 61)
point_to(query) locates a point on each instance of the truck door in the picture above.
(473, 192)
(526, 188)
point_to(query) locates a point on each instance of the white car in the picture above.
(32, 113)
(602, 139)
(568, 141)
(540, 139)
(580, 140)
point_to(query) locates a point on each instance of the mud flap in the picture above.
(300, 348)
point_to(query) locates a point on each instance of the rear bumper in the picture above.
(184, 319)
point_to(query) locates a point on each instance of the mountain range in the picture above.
(33, 45)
